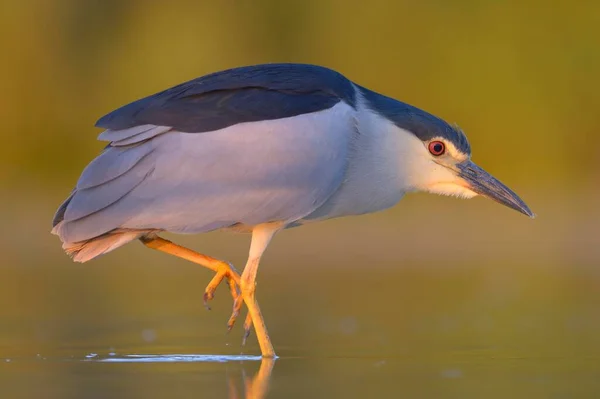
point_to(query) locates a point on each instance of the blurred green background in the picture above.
(435, 297)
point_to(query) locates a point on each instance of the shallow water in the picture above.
(415, 331)
(453, 375)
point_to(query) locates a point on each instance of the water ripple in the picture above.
(173, 358)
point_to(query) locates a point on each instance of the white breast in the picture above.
(375, 179)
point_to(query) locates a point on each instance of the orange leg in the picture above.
(223, 271)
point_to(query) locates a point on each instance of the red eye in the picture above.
(437, 148)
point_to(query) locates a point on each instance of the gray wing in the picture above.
(155, 177)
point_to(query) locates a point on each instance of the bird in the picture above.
(259, 149)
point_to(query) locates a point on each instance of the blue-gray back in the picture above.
(246, 94)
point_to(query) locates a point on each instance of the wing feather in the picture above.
(110, 164)
(248, 174)
(122, 134)
(91, 200)
(138, 138)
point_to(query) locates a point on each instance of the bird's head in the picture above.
(443, 165)
(435, 156)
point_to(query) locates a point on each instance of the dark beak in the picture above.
(487, 185)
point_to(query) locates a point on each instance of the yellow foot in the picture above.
(237, 307)
(228, 273)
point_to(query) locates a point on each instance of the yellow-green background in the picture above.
(437, 297)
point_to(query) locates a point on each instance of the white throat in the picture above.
(372, 182)
(392, 161)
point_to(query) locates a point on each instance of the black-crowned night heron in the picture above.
(260, 149)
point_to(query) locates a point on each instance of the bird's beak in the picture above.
(481, 182)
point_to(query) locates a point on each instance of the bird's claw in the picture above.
(247, 329)
(232, 278)
(237, 306)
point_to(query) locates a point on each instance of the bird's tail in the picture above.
(89, 222)
(83, 251)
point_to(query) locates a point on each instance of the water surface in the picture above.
(416, 331)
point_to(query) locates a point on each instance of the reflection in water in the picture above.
(253, 387)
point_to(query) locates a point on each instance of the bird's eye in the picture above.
(437, 148)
